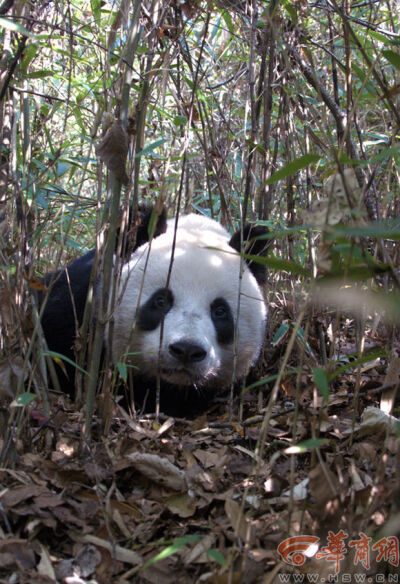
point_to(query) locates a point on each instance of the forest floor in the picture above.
(212, 499)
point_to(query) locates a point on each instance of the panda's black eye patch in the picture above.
(151, 312)
(221, 315)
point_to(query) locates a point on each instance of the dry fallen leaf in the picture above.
(341, 190)
(15, 552)
(11, 370)
(343, 193)
(392, 376)
(182, 504)
(323, 485)
(113, 150)
(159, 470)
(375, 421)
(324, 212)
(120, 553)
(238, 520)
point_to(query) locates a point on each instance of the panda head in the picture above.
(200, 323)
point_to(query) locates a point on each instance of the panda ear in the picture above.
(136, 230)
(253, 246)
(151, 217)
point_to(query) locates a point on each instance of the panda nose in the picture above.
(187, 352)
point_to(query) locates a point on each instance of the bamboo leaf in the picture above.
(372, 356)
(150, 147)
(293, 167)
(280, 333)
(24, 399)
(96, 9)
(15, 27)
(171, 549)
(321, 381)
(122, 370)
(306, 446)
(40, 74)
(59, 358)
(388, 229)
(228, 21)
(217, 556)
(392, 57)
(278, 265)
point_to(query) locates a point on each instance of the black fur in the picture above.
(182, 402)
(135, 233)
(254, 246)
(222, 318)
(63, 313)
(58, 320)
(154, 309)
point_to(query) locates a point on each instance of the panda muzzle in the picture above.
(187, 352)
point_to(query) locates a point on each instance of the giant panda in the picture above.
(189, 315)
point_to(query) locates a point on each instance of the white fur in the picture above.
(199, 276)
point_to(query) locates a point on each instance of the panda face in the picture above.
(194, 330)
(201, 326)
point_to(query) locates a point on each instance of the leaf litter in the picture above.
(199, 500)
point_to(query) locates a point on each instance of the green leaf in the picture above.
(58, 356)
(179, 543)
(217, 556)
(353, 364)
(255, 146)
(300, 335)
(279, 265)
(392, 57)
(40, 74)
(122, 370)
(385, 154)
(150, 147)
(307, 445)
(180, 120)
(378, 36)
(96, 9)
(354, 273)
(280, 333)
(321, 381)
(24, 399)
(228, 21)
(15, 27)
(271, 378)
(282, 232)
(291, 10)
(388, 229)
(41, 200)
(361, 75)
(293, 167)
(30, 53)
(151, 228)
(62, 168)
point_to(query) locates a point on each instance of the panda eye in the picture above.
(220, 311)
(160, 301)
